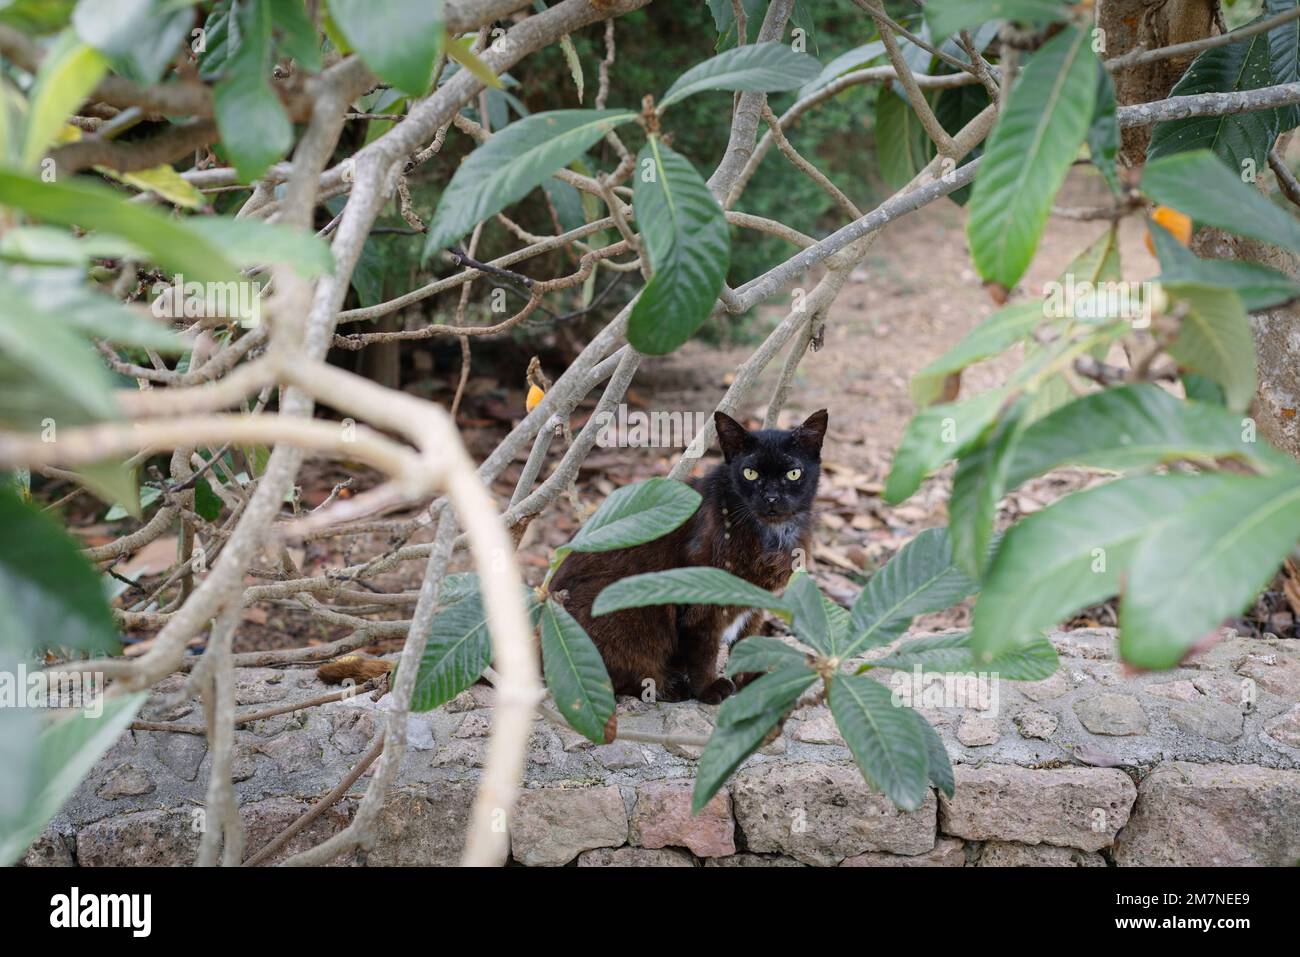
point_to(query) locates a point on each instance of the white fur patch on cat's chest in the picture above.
(732, 632)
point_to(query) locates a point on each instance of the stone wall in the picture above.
(1091, 767)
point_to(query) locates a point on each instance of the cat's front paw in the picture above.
(721, 688)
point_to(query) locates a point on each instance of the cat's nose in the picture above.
(771, 499)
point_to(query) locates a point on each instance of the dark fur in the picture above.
(749, 528)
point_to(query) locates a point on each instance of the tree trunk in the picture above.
(1128, 23)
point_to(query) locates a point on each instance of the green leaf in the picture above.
(251, 242)
(1073, 554)
(1259, 287)
(1206, 563)
(459, 648)
(461, 49)
(52, 377)
(120, 510)
(140, 37)
(686, 234)
(995, 334)
(67, 751)
(954, 109)
(754, 68)
(206, 502)
(635, 514)
(938, 765)
(48, 590)
(977, 486)
(298, 37)
(50, 245)
(888, 746)
(162, 180)
(778, 688)
(763, 653)
(1284, 59)
(1029, 153)
(1103, 132)
(170, 243)
(95, 314)
(935, 435)
(1214, 339)
(921, 578)
(854, 59)
(575, 673)
(734, 740)
(696, 585)
(1240, 140)
(1130, 427)
(37, 16)
(112, 481)
(811, 623)
(953, 654)
(255, 131)
(68, 72)
(1197, 184)
(902, 145)
(399, 40)
(947, 17)
(511, 164)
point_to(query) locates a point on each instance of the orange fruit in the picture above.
(535, 395)
(1180, 224)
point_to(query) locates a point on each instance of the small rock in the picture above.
(1112, 714)
(461, 753)
(1182, 690)
(753, 860)
(471, 699)
(1047, 689)
(1209, 719)
(181, 753)
(1036, 724)
(662, 817)
(976, 731)
(475, 724)
(635, 857)
(293, 751)
(687, 720)
(1285, 728)
(552, 826)
(819, 729)
(126, 781)
(354, 729)
(422, 828)
(1281, 678)
(1011, 854)
(620, 755)
(1095, 643)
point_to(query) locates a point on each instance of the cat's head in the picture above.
(773, 471)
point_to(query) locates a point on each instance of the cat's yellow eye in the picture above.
(751, 474)
(793, 474)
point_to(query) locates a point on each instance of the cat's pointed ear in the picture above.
(810, 434)
(733, 437)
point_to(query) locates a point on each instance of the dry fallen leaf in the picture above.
(158, 556)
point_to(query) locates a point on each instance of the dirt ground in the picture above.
(914, 296)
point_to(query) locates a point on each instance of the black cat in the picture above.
(755, 518)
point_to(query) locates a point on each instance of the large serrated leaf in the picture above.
(511, 164)
(902, 146)
(575, 673)
(1284, 59)
(255, 130)
(921, 578)
(1073, 554)
(399, 39)
(763, 653)
(890, 749)
(459, 648)
(1128, 427)
(635, 514)
(755, 67)
(735, 739)
(251, 242)
(938, 765)
(48, 591)
(1206, 563)
(68, 72)
(777, 688)
(1259, 287)
(1029, 152)
(935, 435)
(685, 233)
(1214, 339)
(810, 622)
(953, 654)
(67, 751)
(1103, 131)
(1197, 184)
(854, 59)
(947, 17)
(977, 486)
(697, 585)
(998, 332)
(1240, 140)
